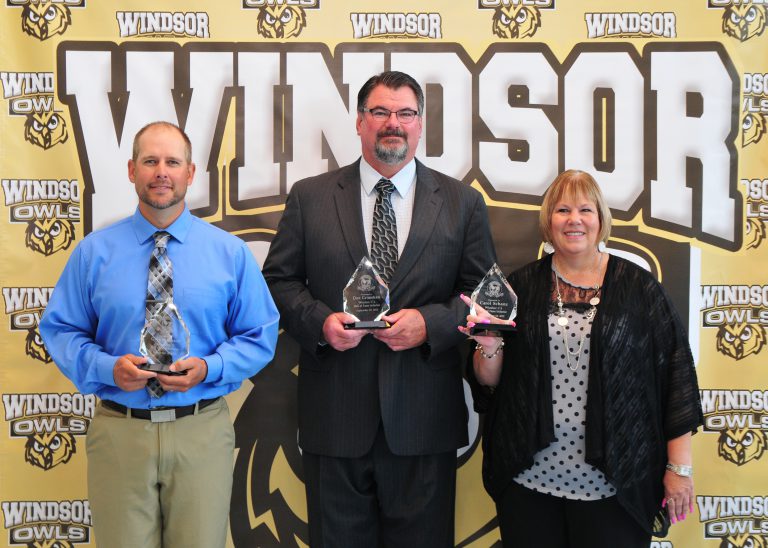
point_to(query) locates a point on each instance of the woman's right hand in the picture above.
(481, 317)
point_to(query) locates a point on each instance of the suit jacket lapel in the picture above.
(350, 212)
(426, 206)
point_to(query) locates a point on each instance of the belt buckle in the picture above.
(162, 415)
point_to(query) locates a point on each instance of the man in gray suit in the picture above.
(381, 412)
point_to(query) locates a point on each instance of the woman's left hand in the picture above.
(678, 496)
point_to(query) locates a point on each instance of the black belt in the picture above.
(158, 414)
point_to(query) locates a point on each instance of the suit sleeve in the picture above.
(285, 272)
(478, 255)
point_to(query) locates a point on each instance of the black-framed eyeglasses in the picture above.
(381, 114)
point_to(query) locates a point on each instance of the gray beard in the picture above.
(391, 156)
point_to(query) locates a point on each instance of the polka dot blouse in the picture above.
(560, 469)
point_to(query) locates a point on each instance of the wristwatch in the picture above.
(681, 469)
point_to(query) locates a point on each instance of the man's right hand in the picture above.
(339, 338)
(128, 376)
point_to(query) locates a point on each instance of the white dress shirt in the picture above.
(402, 199)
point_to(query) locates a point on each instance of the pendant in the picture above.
(562, 321)
(594, 301)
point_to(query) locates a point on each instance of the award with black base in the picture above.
(366, 298)
(164, 339)
(496, 297)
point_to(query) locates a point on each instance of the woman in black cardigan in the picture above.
(592, 403)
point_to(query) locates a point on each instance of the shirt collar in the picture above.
(178, 229)
(402, 180)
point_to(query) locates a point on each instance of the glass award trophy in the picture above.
(164, 339)
(496, 297)
(366, 298)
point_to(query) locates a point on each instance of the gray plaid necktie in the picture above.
(159, 291)
(384, 233)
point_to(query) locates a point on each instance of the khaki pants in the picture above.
(161, 484)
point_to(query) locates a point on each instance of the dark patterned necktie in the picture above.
(158, 325)
(384, 233)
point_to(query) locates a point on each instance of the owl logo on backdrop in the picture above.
(45, 129)
(744, 541)
(741, 445)
(516, 21)
(49, 208)
(753, 128)
(47, 523)
(740, 418)
(47, 236)
(516, 18)
(48, 449)
(24, 306)
(34, 346)
(50, 424)
(756, 191)
(754, 233)
(44, 19)
(744, 21)
(281, 19)
(54, 543)
(741, 19)
(30, 94)
(740, 314)
(739, 340)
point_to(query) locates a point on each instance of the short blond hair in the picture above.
(571, 184)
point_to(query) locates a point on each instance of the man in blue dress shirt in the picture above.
(160, 468)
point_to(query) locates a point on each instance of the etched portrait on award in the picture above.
(366, 298)
(164, 339)
(495, 296)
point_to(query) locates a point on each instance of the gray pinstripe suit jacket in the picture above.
(416, 394)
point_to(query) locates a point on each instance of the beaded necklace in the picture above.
(562, 320)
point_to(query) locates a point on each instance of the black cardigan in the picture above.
(642, 388)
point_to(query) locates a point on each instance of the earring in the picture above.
(601, 247)
(549, 249)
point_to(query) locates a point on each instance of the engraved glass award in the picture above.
(496, 297)
(366, 298)
(164, 339)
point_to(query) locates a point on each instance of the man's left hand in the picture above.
(196, 369)
(408, 330)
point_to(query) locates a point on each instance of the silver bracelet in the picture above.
(680, 469)
(489, 356)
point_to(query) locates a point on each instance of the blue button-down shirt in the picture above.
(96, 312)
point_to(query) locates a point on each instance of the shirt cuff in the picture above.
(322, 349)
(215, 368)
(105, 369)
